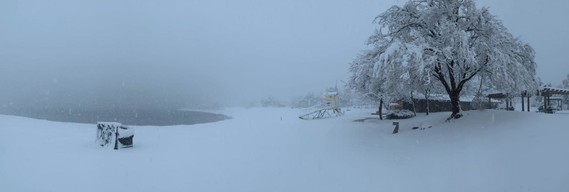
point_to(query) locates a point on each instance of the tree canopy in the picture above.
(565, 82)
(449, 41)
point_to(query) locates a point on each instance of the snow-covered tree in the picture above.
(566, 82)
(352, 98)
(366, 80)
(306, 101)
(452, 41)
(271, 101)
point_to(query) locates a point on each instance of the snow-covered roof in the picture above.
(556, 98)
(555, 90)
(114, 124)
(444, 97)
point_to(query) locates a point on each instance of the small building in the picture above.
(441, 103)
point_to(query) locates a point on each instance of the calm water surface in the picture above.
(126, 117)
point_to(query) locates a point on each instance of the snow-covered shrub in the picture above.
(306, 101)
(271, 102)
(400, 114)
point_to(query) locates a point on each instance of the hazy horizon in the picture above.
(188, 53)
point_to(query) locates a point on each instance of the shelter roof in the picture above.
(554, 90)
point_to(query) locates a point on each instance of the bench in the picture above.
(107, 132)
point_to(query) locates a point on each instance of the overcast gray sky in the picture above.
(196, 51)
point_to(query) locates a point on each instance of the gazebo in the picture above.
(508, 97)
(500, 96)
(547, 93)
(508, 100)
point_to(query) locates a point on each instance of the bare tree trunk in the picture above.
(523, 102)
(380, 111)
(413, 104)
(427, 100)
(455, 105)
(453, 86)
(479, 95)
(528, 102)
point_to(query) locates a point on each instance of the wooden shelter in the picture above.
(508, 97)
(547, 93)
(509, 105)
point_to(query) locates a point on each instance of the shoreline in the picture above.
(126, 117)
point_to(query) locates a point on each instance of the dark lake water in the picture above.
(126, 117)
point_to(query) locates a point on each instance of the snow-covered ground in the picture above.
(272, 150)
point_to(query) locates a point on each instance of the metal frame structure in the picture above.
(323, 114)
(333, 109)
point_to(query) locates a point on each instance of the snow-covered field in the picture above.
(272, 150)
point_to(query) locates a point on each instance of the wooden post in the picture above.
(489, 102)
(523, 103)
(116, 138)
(544, 102)
(396, 130)
(511, 105)
(528, 102)
(548, 101)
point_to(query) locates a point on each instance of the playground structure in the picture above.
(331, 109)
